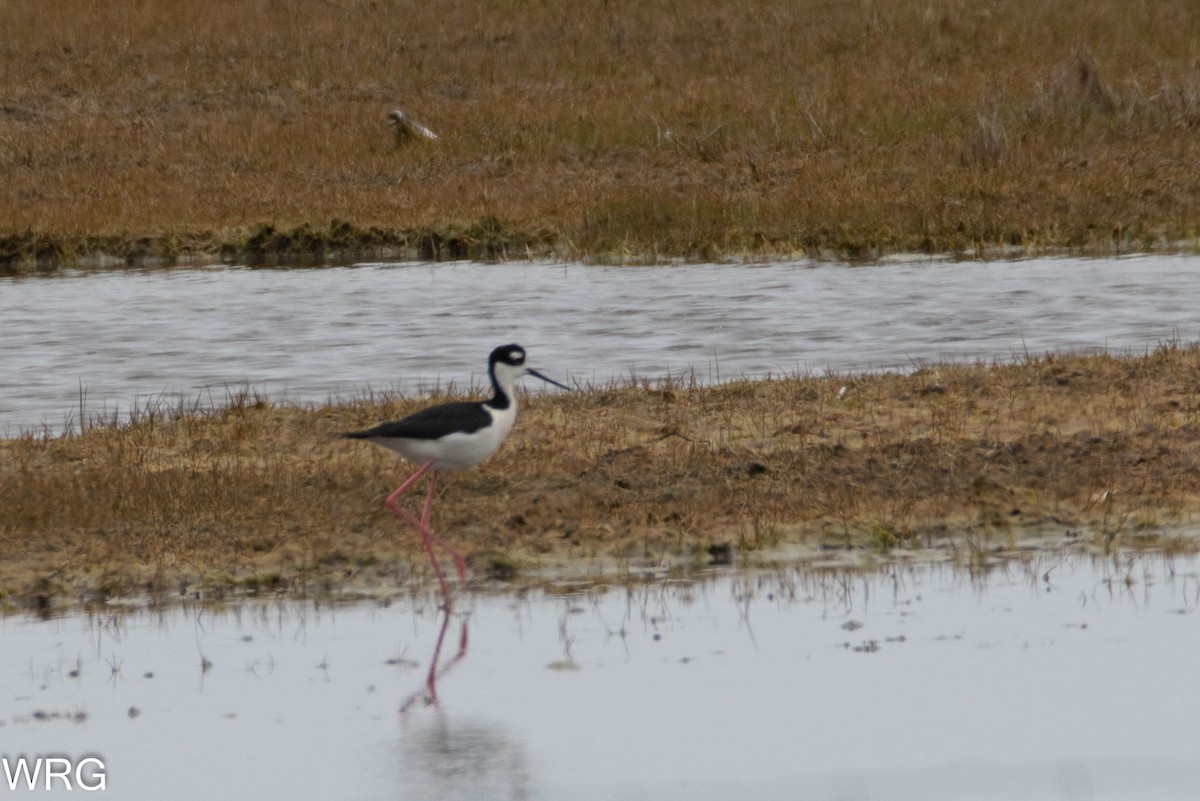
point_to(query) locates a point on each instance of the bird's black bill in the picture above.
(536, 374)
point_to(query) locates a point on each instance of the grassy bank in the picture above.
(1095, 450)
(697, 128)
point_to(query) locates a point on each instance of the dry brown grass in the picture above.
(692, 127)
(968, 458)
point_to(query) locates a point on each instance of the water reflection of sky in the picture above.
(308, 334)
(1051, 679)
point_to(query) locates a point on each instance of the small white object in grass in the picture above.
(407, 127)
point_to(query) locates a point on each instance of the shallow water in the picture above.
(1051, 678)
(132, 338)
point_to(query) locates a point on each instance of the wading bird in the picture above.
(452, 436)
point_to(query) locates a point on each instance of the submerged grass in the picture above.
(254, 497)
(677, 128)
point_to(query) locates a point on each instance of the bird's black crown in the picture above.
(509, 354)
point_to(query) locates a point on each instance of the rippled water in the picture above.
(131, 337)
(1051, 678)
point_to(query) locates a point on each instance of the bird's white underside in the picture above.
(458, 450)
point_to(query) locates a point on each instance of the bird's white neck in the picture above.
(504, 380)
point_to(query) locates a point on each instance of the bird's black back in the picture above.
(432, 423)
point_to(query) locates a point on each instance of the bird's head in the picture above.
(507, 364)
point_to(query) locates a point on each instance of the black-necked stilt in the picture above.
(452, 436)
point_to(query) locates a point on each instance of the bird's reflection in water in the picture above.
(428, 693)
(454, 758)
(457, 759)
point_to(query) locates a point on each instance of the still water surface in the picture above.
(129, 338)
(1051, 678)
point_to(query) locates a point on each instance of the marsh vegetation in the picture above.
(965, 459)
(608, 131)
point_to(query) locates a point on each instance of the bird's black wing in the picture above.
(431, 423)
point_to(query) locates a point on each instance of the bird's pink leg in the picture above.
(408, 482)
(422, 526)
(460, 561)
